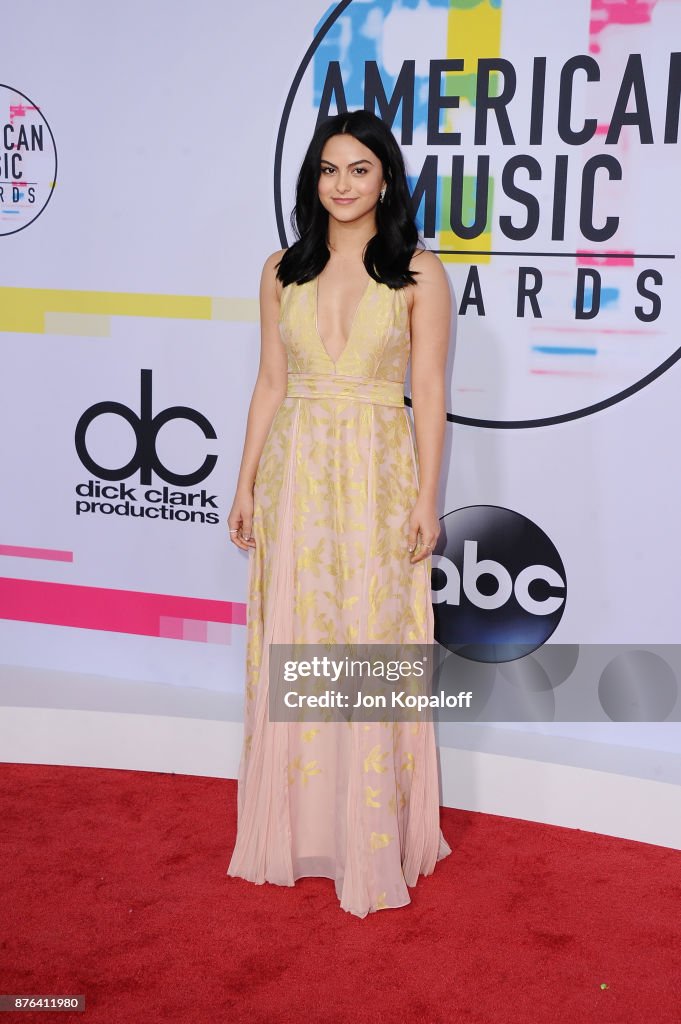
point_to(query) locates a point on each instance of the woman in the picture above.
(337, 510)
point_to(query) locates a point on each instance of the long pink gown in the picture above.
(352, 801)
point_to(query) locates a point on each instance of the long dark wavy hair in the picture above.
(387, 255)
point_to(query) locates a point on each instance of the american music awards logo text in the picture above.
(28, 161)
(540, 174)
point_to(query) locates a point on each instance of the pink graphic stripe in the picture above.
(17, 551)
(616, 12)
(588, 259)
(568, 373)
(119, 611)
(594, 330)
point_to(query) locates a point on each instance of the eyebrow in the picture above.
(349, 165)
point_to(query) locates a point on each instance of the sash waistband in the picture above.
(357, 389)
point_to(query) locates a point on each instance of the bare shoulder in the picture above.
(428, 265)
(272, 261)
(269, 282)
(431, 276)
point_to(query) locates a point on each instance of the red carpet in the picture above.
(115, 887)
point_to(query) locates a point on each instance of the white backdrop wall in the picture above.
(148, 165)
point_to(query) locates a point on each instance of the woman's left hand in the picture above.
(424, 525)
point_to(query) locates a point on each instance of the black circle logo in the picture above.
(499, 584)
(146, 428)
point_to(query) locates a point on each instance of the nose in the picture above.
(343, 181)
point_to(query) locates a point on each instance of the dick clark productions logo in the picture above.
(152, 502)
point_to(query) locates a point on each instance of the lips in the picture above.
(343, 202)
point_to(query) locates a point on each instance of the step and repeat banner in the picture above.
(147, 169)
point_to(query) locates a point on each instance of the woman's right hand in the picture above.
(240, 521)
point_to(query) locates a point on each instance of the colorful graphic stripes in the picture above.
(87, 313)
(120, 611)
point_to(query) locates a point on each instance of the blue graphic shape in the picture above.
(355, 38)
(565, 350)
(609, 297)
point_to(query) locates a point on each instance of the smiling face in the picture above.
(350, 179)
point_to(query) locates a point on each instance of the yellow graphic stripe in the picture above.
(63, 311)
(472, 33)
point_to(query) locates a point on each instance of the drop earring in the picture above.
(382, 195)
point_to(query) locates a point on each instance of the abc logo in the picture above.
(146, 428)
(499, 585)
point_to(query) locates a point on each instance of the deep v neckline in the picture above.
(335, 362)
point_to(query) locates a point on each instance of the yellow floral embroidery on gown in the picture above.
(355, 802)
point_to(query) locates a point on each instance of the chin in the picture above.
(347, 212)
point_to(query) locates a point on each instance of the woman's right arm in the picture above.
(268, 393)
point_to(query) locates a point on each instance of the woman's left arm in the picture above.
(430, 330)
